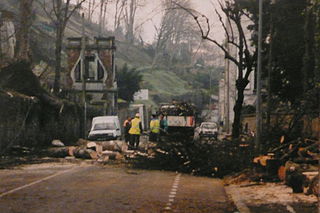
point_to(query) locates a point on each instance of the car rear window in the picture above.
(104, 126)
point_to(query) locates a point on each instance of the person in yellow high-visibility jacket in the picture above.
(135, 131)
(154, 129)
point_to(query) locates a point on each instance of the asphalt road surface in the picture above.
(57, 187)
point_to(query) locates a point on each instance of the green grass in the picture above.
(164, 83)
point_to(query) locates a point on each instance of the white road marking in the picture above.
(35, 182)
(173, 192)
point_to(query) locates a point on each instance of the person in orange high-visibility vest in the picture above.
(135, 131)
(126, 127)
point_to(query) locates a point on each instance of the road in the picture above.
(65, 187)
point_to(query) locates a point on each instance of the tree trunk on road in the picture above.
(85, 153)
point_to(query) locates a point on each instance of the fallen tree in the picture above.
(19, 77)
(30, 115)
(204, 158)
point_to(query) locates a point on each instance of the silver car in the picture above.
(208, 129)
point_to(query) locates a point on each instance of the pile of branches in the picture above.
(299, 151)
(177, 109)
(209, 158)
(295, 162)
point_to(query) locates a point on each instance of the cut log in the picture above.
(313, 187)
(294, 177)
(91, 145)
(262, 160)
(103, 159)
(112, 145)
(82, 142)
(58, 152)
(282, 173)
(96, 147)
(85, 153)
(272, 166)
(112, 155)
(57, 143)
(71, 150)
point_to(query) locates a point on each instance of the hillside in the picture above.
(163, 83)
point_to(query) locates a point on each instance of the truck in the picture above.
(180, 116)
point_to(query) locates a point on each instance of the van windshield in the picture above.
(104, 126)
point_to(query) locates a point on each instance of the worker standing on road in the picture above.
(154, 129)
(135, 131)
(163, 125)
(126, 127)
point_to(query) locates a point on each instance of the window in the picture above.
(100, 71)
(77, 72)
(90, 68)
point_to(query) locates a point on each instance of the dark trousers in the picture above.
(154, 137)
(127, 137)
(134, 141)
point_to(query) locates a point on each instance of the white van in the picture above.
(105, 128)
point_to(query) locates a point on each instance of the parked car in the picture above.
(105, 128)
(208, 129)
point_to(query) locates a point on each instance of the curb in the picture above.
(241, 206)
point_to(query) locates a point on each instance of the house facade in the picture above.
(98, 77)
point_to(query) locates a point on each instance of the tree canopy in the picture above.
(128, 82)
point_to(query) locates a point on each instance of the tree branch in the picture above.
(74, 9)
(205, 35)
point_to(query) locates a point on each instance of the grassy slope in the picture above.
(164, 82)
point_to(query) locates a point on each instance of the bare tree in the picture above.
(22, 35)
(235, 36)
(59, 12)
(175, 31)
(102, 15)
(119, 7)
(130, 10)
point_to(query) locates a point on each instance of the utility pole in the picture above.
(82, 68)
(210, 86)
(0, 39)
(228, 93)
(270, 67)
(258, 101)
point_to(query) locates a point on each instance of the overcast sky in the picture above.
(150, 15)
